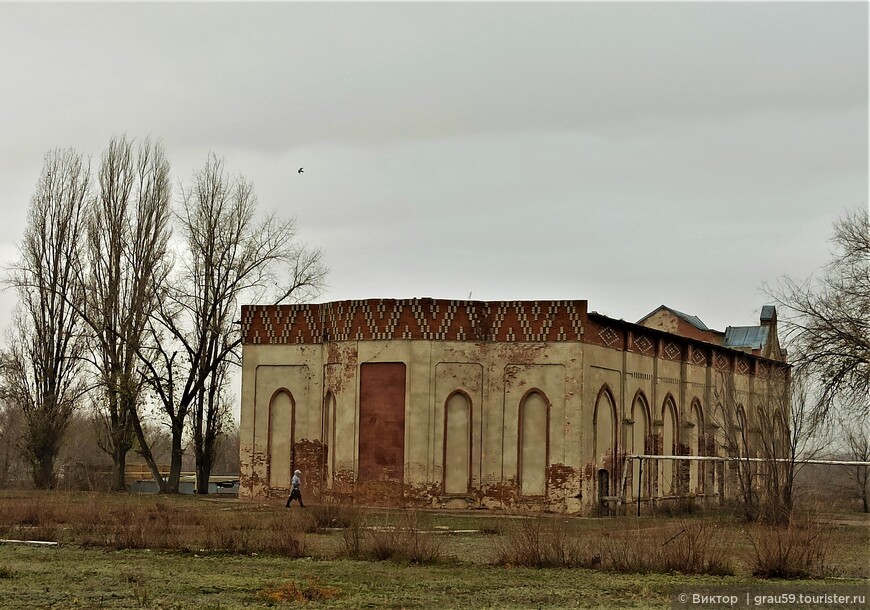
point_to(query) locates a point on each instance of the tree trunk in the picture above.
(203, 474)
(145, 451)
(43, 470)
(119, 467)
(176, 456)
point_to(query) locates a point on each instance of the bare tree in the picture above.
(857, 438)
(42, 364)
(227, 452)
(13, 468)
(735, 443)
(828, 318)
(767, 434)
(127, 235)
(789, 432)
(228, 254)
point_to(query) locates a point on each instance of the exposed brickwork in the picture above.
(667, 321)
(382, 422)
(599, 331)
(671, 350)
(641, 344)
(563, 481)
(364, 388)
(699, 356)
(422, 496)
(310, 460)
(416, 319)
(504, 492)
(379, 493)
(342, 482)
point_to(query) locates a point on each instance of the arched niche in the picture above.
(604, 439)
(457, 443)
(534, 426)
(328, 436)
(694, 442)
(282, 411)
(669, 440)
(639, 429)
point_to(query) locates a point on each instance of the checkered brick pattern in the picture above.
(671, 351)
(642, 345)
(422, 319)
(698, 357)
(720, 362)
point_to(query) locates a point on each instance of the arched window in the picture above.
(457, 444)
(328, 436)
(695, 444)
(534, 420)
(741, 440)
(282, 410)
(604, 441)
(783, 442)
(669, 440)
(636, 439)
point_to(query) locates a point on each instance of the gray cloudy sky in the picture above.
(628, 154)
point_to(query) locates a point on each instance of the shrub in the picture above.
(543, 542)
(629, 552)
(697, 548)
(333, 513)
(285, 536)
(796, 550)
(694, 548)
(352, 538)
(404, 542)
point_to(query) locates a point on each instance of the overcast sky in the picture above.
(628, 154)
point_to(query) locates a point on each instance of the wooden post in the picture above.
(639, 482)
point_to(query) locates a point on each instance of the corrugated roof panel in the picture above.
(746, 336)
(693, 320)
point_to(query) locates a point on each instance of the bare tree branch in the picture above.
(42, 365)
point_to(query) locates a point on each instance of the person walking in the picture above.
(295, 492)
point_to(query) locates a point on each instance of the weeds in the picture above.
(796, 550)
(688, 546)
(697, 548)
(542, 543)
(333, 514)
(312, 590)
(405, 542)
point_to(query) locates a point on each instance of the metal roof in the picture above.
(693, 320)
(746, 336)
(767, 312)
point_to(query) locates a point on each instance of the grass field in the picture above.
(121, 551)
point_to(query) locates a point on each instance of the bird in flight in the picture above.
(300, 171)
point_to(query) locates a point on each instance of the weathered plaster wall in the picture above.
(482, 423)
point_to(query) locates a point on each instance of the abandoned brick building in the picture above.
(516, 404)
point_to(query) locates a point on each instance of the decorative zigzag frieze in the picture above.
(414, 319)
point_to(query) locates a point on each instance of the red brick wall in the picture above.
(382, 421)
(426, 319)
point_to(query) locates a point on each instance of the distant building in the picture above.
(532, 404)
